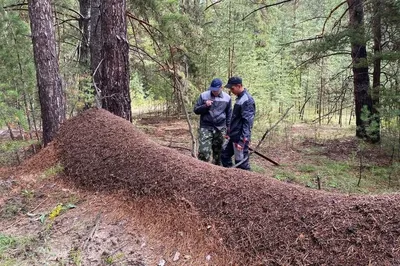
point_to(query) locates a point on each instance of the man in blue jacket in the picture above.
(240, 127)
(215, 108)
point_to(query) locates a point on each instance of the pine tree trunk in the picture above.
(376, 83)
(84, 23)
(51, 96)
(115, 67)
(360, 66)
(95, 45)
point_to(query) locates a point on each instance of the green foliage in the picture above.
(6, 242)
(52, 171)
(17, 73)
(75, 256)
(12, 246)
(343, 176)
(9, 150)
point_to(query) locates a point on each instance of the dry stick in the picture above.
(266, 6)
(330, 15)
(98, 91)
(318, 182)
(96, 225)
(10, 131)
(189, 124)
(361, 166)
(331, 112)
(262, 139)
(216, 2)
(271, 128)
(391, 163)
(263, 156)
(34, 119)
(259, 143)
(34, 209)
(177, 87)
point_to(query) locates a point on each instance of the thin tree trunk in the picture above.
(320, 94)
(21, 131)
(28, 116)
(95, 45)
(376, 83)
(34, 119)
(342, 99)
(51, 96)
(115, 52)
(84, 23)
(10, 131)
(83, 51)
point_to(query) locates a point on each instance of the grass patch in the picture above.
(342, 176)
(13, 247)
(12, 207)
(75, 256)
(6, 242)
(52, 171)
(9, 151)
(284, 175)
(307, 168)
(258, 169)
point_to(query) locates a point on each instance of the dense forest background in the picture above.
(335, 62)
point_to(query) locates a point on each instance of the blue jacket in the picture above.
(242, 118)
(218, 115)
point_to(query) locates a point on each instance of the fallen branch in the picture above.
(263, 156)
(271, 128)
(90, 237)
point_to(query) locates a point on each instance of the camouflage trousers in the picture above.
(211, 140)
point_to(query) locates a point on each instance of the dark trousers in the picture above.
(228, 152)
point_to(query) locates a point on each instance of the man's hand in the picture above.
(239, 147)
(209, 103)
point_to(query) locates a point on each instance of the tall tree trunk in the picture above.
(51, 96)
(360, 67)
(84, 23)
(95, 45)
(376, 83)
(83, 52)
(115, 67)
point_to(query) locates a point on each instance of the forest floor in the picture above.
(306, 154)
(46, 221)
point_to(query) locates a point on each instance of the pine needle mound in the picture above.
(267, 221)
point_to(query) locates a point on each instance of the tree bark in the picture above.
(51, 95)
(84, 26)
(360, 67)
(376, 83)
(115, 54)
(95, 43)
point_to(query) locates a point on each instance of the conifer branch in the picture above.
(330, 15)
(266, 6)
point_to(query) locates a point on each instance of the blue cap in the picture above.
(216, 84)
(233, 81)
